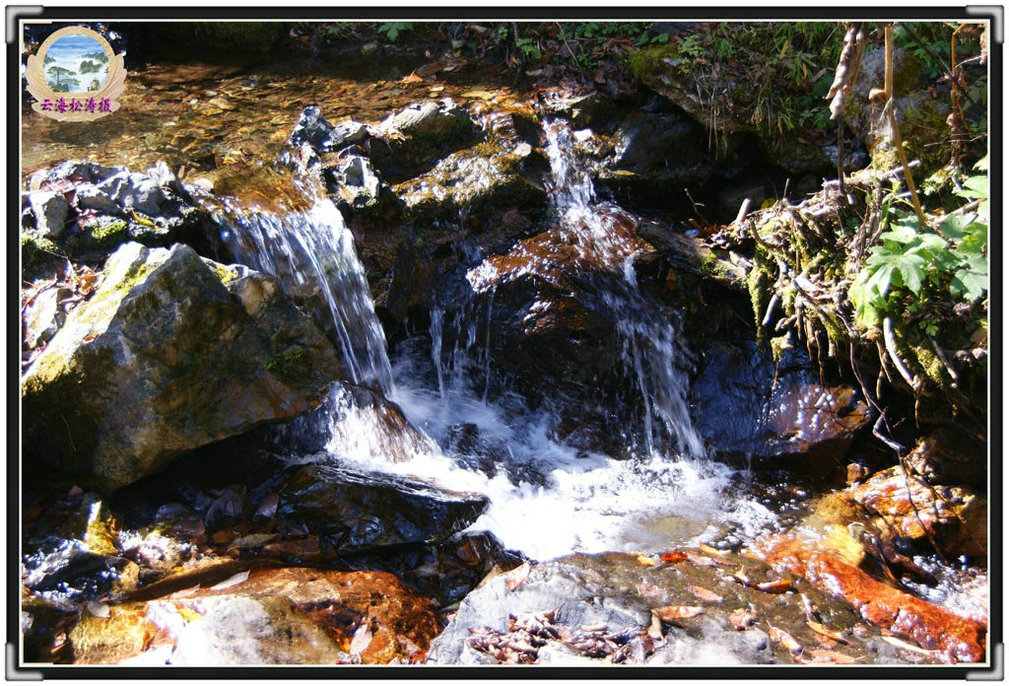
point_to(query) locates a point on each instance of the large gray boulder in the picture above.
(170, 353)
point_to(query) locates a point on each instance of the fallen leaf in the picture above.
(824, 631)
(705, 594)
(644, 561)
(776, 586)
(703, 561)
(412, 78)
(908, 646)
(742, 619)
(830, 656)
(707, 549)
(672, 557)
(481, 94)
(185, 592)
(268, 507)
(670, 613)
(515, 577)
(231, 581)
(785, 639)
(189, 614)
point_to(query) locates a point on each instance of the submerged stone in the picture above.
(931, 626)
(952, 517)
(415, 138)
(163, 358)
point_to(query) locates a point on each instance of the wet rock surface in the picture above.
(618, 608)
(355, 511)
(954, 519)
(193, 565)
(549, 320)
(949, 637)
(261, 617)
(415, 138)
(85, 211)
(137, 374)
(775, 415)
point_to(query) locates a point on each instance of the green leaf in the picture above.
(900, 234)
(954, 225)
(978, 184)
(929, 243)
(975, 238)
(971, 281)
(912, 270)
(882, 278)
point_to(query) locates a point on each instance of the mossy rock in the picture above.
(164, 358)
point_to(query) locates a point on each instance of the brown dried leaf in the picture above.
(515, 577)
(708, 550)
(776, 586)
(824, 631)
(705, 594)
(239, 578)
(361, 640)
(671, 613)
(672, 557)
(785, 639)
(830, 657)
(742, 619)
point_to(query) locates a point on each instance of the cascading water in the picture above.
(651, 345)
(498, 446)
(462, 436)
(312, 255)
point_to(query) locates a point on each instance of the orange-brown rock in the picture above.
(953, 518)
(342, 601)
(300, 616)
(931, 626)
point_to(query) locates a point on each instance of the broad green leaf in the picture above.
(975, 238)
(912, 270)
(978, 184)
(882, 278)
(900, 234)
(954, 225)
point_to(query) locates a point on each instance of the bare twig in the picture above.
(890, 340)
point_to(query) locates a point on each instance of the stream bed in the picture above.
(372, 368)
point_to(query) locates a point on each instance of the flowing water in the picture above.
(666, 494)
(312, 254)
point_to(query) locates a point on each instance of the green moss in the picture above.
(758, 282)
(290, 365)
(644, 64)
(224, 273)
(115, 230)
(61, 427)
(39, 256)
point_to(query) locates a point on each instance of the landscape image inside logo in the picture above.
(76, 64)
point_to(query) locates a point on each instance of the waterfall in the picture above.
(455, 422)
(312, 255)
(652, 348)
